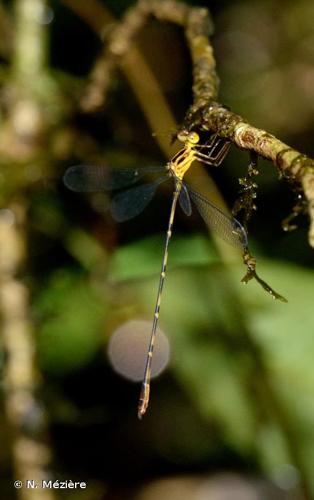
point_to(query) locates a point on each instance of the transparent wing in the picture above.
(130, 203)
(228, 228)
(95, 179)
(184, 200)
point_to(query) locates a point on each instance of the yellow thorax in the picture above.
(182, 161)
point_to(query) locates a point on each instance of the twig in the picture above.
(147, 90)
(139, 75)
(205, 113)
(93, 13)
(289, 161)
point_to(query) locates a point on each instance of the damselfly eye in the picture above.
(182, 136)
(193, 137)
(189, 137)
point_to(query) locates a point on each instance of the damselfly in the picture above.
(129, 203)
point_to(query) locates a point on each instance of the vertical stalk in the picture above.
(25, 124)
(31, 40)
(24, 412)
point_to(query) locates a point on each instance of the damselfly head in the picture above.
(188, 137)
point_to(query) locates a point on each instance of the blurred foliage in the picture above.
(205, 324)
(68, 340)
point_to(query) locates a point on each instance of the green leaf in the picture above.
(143, 258)
(71, 313)
(205, 311)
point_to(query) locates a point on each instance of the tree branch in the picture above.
(205, 112)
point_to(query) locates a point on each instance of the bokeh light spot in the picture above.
(127, 350)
